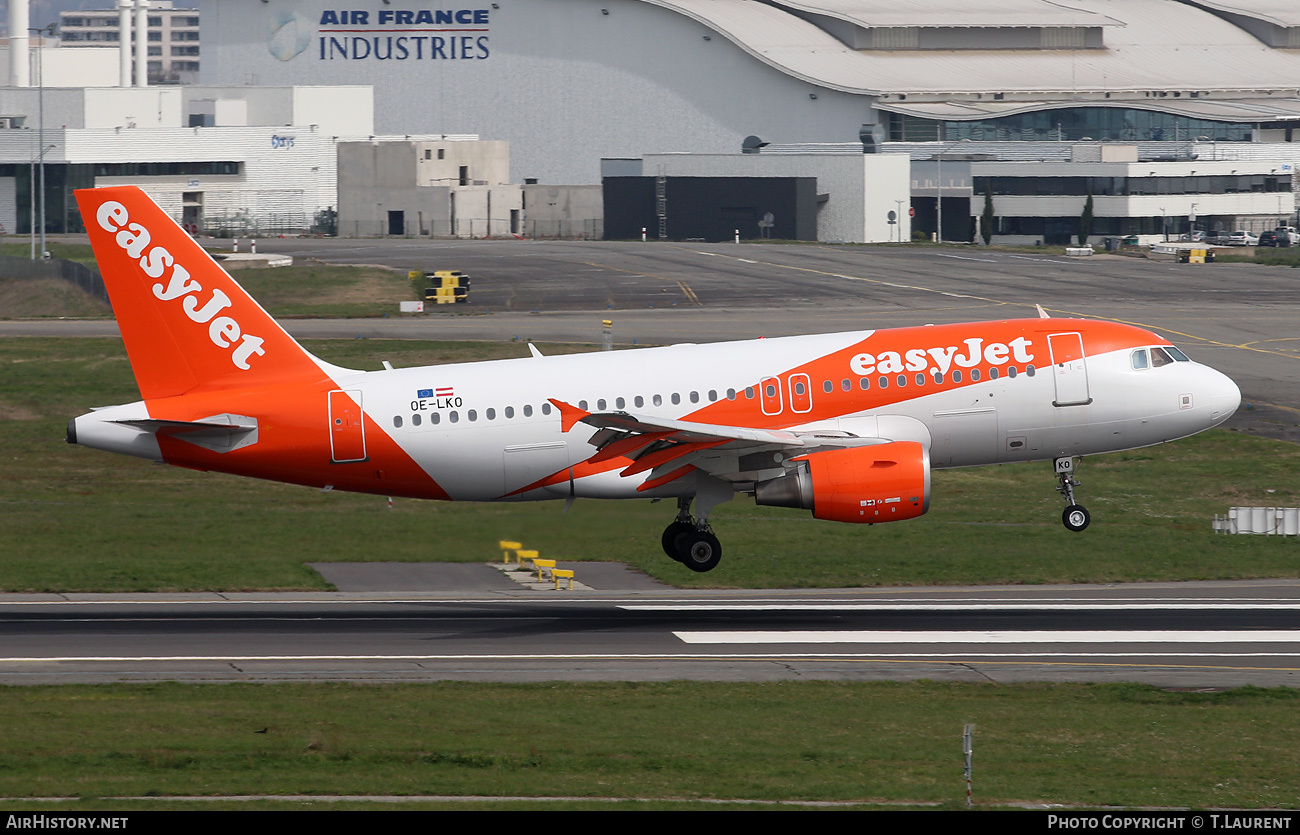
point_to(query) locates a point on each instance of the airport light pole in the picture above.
(45, 32)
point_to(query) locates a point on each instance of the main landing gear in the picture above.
(1075, 517)
(690, 541)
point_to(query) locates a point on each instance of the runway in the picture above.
(1192, 635)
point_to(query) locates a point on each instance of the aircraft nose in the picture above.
(1222, 396)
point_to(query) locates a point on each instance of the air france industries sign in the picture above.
(383, 35)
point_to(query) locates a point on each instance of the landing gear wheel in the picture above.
(698, 550)
(669, 539)
(1076, 517)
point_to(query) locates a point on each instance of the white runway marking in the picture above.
(1279, 636)
(955, 606)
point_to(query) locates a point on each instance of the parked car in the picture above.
(1196, 236)
(1272, 238)
(1286, 236)
(1243, 238)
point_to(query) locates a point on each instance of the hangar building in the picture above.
(569, 82)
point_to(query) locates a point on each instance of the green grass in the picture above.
(81, 519)
(1271, 256)
(81, 253)
(321, 290)
(1113, 745)
(307, 289)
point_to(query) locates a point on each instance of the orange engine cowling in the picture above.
(867, 484)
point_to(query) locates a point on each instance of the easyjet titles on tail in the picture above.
(224, 331)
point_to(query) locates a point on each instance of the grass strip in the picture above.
(1111, 745)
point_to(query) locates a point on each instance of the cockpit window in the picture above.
(1177, 354)
(1140, 359)
(1159, 357)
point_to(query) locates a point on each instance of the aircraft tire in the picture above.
(1076, 517)
(669, 539)
(698, 550)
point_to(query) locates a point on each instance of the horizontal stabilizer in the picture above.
(219, 433)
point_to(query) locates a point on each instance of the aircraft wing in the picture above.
(671, 449)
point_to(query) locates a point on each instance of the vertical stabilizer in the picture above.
(186, 323)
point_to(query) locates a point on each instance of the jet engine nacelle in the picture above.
(867, 484)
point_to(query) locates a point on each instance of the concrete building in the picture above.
(855, 197)
(1039, 190)
(48, 64)
(444, 187)
(1042, 202)
(171, 35)
(235, 160)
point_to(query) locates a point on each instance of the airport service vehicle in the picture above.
(846, 425)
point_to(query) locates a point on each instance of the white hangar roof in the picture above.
(950, 58)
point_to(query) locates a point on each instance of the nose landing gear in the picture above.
(1075, 517)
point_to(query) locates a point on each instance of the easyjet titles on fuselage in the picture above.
(224, 331)
(969, 355)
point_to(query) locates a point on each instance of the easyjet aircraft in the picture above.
(847, 425)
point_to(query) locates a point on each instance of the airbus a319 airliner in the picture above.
(847, 425)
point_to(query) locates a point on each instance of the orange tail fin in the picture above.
(185, 322)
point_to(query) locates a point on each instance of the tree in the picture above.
(1085, 220)
(986, 218)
